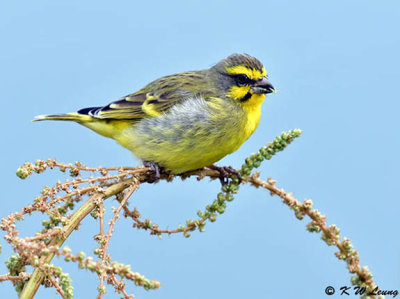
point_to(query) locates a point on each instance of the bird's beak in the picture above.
(263, 86)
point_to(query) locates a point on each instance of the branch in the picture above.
(37, 277)
(39, 250)
(106, 240)
(21, 276)
(56, 285)
(330, 234)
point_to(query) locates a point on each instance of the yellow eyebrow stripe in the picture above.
(249, 72)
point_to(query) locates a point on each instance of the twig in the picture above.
(34, 282)
(330, 234)
(21, 276)
(120, 287)
(46, 235)
(106, 240)
(55, 283)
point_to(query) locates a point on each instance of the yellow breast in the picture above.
(251, 107)
(253, 110)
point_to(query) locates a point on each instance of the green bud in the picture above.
(81, 255)
(257, 164)
(22, 173)
(313, 228)
(234, 188)
(58, 271)
(229, 197)
(225, 188)
(221, 198)
(202, 227)
(355, 280)
(215, 205)
(46, 224)
(245, 170)
(299, 214)
(249, 162)
(213, 217)
(259, 157)
(149, 224)
(36, 261)
(263, 151)
(221, 209)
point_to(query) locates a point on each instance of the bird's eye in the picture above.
(242, 79)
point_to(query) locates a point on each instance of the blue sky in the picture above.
(337, 70)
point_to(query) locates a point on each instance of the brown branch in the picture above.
(106, 240)
(115, 268)
(147, 224)
(57, 286)
(8, 277)
(34, 282)
(330, 234)
(47, 235)
(120, 287)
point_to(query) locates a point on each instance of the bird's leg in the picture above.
(225, 172)
(155, 169)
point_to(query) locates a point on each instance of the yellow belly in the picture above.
(187, 139)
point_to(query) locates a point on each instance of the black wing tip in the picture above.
(89, 111)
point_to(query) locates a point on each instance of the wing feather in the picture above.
(154, 99)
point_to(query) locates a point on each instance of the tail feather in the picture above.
(106, 128)
(74, 116)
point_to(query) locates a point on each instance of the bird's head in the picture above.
(243, 78)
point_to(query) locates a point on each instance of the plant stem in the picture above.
(37, 277)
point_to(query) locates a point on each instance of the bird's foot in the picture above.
(226, 172)
(155, 171)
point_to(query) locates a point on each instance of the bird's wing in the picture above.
(152, 100)
(134, 106)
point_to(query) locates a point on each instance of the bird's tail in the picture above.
(74, 116)
(107, 128)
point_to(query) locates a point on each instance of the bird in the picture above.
(184, 121)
